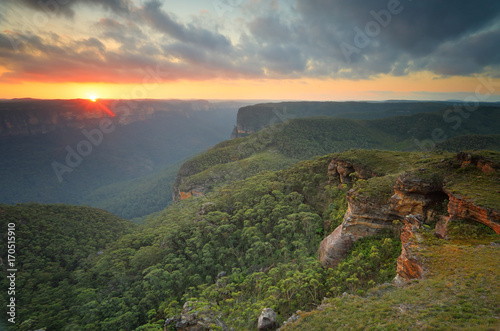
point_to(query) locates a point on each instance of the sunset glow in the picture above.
(242, 49)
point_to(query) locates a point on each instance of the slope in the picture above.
(461, 292)
(49, 243)
(216, 261)
(254, 118)
(131, 151)
(303, 138)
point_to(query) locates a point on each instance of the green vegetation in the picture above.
(52, 243)
(254, 118)
(263, 232)
(137, 197)
(471, 142)
(251, 244)
(304, 138)
(481, 186)
(129, 173)
(466, 232)
(461, 291)
(226, 172)
(375, 189)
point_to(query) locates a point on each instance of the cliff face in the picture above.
(416, 199)
(410, 265)
(253, 118)
(33, 117)
(462, 208)
(344, 171)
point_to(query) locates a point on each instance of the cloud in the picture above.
(270, 29)
(418, 32)
(65, 7)
(465, 56)
(300, 39)
(50, 58)
(128, 34)
(190, 33)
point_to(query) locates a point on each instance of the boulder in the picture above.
(267, 320)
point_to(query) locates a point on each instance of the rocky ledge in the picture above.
(416, 198)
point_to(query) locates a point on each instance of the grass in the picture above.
(471, 183)
(379, 162)
(376, 189)
(223, 174)
(467, 232)
(461, 291)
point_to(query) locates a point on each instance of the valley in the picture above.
(309, 217)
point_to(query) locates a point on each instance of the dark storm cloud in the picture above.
(283, 59)
(466, 56)
(128, 34)
(65, 7)
(162, 21)
(270, 29)
(88, 60)
(419, 31)
(304, 38)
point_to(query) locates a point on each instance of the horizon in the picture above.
(256, 101)
(250, 50)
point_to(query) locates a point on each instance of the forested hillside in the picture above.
(255, 117)
(52, 243)
(221, 258)
(147, 147)
(280, 145)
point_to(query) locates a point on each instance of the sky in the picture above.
(251, 49)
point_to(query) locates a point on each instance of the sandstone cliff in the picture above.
(29, 117)
(416, 197)
(253, 118)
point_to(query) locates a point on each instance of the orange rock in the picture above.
(409, 265)
(460, 208)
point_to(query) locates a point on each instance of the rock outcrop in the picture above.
(482, 164)
(417, 197)
(410, 265)
(333, 249)
(345, 171)
(194, 321)
(267, 320)
(462, 208)
(362, 219)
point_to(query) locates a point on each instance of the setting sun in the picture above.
(92, 98)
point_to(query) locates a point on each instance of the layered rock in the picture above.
(462, 208)
(416, 198)
(482, 164)
(362, 219)
(368, 217)
(333, 249)
(410, 265)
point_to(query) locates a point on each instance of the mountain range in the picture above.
(386, 219)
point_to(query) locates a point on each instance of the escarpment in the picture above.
(31, 117)
(412, 199)
(460, 208)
